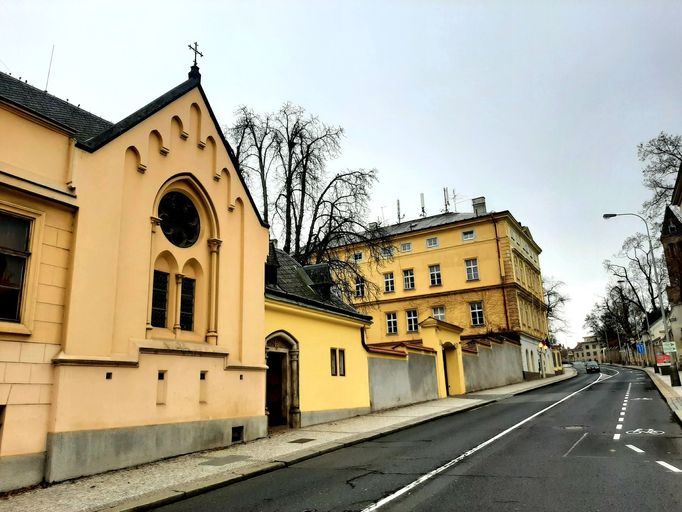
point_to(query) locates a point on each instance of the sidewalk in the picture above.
(180, 477)
(672, 395)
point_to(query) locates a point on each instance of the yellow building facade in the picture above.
(132, 316)
(479, 271)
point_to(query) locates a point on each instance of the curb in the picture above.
(194, 488)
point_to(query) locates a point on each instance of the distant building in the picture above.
(479, 271)
(590, 349)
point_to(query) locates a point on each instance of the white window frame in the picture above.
(359, 287)
(471, 266)
(465, 234)
(408, 278)
(435, 277)
(432, 242)
(412, 319)
(476, 311)
(438, 312)
(389, 282)
(392, 323)
(406, 247)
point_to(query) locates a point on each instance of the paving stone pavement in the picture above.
(127, 489)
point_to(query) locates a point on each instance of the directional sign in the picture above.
(669, 347)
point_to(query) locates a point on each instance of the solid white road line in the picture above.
(619, 427)
(448, 465)
(575, 444)
(671, 468)
(634, 448)
(616, 437)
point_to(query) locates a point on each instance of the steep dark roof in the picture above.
(82, 124)
(294, 284)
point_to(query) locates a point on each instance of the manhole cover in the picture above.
(302, 440)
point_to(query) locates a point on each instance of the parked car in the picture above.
(592, 367)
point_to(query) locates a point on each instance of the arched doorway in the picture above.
(282, 403)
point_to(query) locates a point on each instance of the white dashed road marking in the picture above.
(616, 437)
(634, 448)
(668, 466)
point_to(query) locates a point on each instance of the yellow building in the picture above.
(131, 286)
(317, 365)
(479, 271)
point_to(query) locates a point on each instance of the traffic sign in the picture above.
(669, 347)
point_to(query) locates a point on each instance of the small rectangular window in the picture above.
(332, 353)
(434, 275)
(432, 242)
(438, 312)
(14, 254)
(161, 383)
(357, 256)
(203, 387)
(391, 323)
(387, 252)
(476, 309)
(160, 299)
(389, 282)
(408, 279)
(342, 362)
(468, 235)
(412, 321)
(359, 287)
(406, 247)
(472, 269)
(187, 304)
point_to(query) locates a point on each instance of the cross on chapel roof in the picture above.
(194, 70)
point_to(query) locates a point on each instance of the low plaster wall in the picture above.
(496, 366)
(19, 471)
(74, 454)
(396, 382)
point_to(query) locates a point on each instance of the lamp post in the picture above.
(674, 375)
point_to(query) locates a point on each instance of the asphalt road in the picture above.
(611, 444)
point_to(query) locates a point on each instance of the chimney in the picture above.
(271, 265)
(479, 205)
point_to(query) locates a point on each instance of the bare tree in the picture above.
(256, 143)
(662, 157)
(313, 211)
(556, 299)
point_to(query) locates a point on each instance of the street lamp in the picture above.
(674, 375)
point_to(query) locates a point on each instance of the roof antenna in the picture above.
(49, 69)
(400, 217)
(446, 200)
(454, 201)
(423, 213)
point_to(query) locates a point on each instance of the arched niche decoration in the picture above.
(192, 303)
(195, 125)
(178, 129)
(133, 160)
(156, 145)
(281, 348)
(212, 151)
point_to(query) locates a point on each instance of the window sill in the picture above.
(391, 334)
(413, 332)
(436, 285)
(14, 328)
(473, 280)
(386, 293)
(475, 326)
(409, 289)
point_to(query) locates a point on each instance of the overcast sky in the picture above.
(538, 106)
